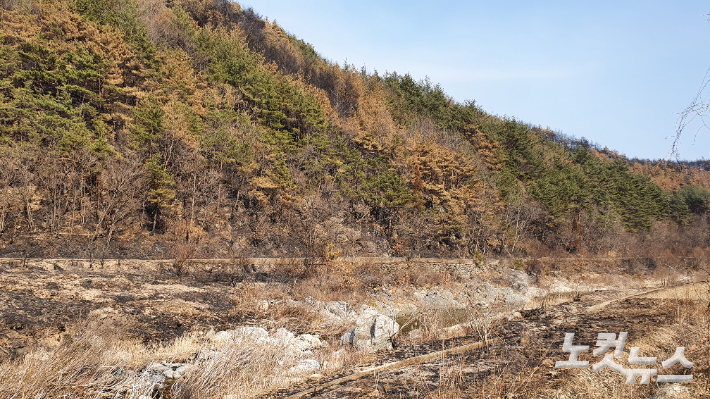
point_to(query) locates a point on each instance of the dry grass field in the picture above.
(92, 333)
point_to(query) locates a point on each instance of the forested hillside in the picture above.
(197, 128)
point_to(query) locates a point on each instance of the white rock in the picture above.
(304, 344)
(252, 334)
(282, 337)
(415, 334)
(205, 354)
(223, 336)
(307, 366)
(315, 377)
(520, 280)
(373, 330)
(183, 369)
(154, 380)
(384, 329)
(441, 300)
(256, 334)
(308, 341)
(340, 309)
(263, 305)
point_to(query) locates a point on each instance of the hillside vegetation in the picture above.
(142, 128)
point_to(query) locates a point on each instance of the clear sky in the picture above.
(615, 72)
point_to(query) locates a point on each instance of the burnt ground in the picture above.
(522, 364)
(38, 305)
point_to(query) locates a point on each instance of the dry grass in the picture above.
(239, 370)
(690, 292)
(98, 359)
(91, 362)
(555, 298)
(690, 330)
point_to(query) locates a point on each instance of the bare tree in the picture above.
(697, 110)
(119, 193)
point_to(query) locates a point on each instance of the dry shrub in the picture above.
(338, 279)
(182, 252)
(243, 371)
(89, 363)
(690, 293)
(426, 276)
(452, 381)
(272, 302)
(536, 268)
(370, 275)
(603, 384)
(666, 275)
(185, 240)
(408, 274)
(297, 317)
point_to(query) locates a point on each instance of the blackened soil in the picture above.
(37, 305)
(519, 366)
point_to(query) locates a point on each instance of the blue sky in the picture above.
(617, 73)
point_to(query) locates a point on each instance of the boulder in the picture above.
(372, 330)
(519, 281)
(340, 309)
(253, 334)
(282, 337)
(304, 344)
(165, 370)
(485, 293)
(348, 338)
(301, 345)
(514, 316)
